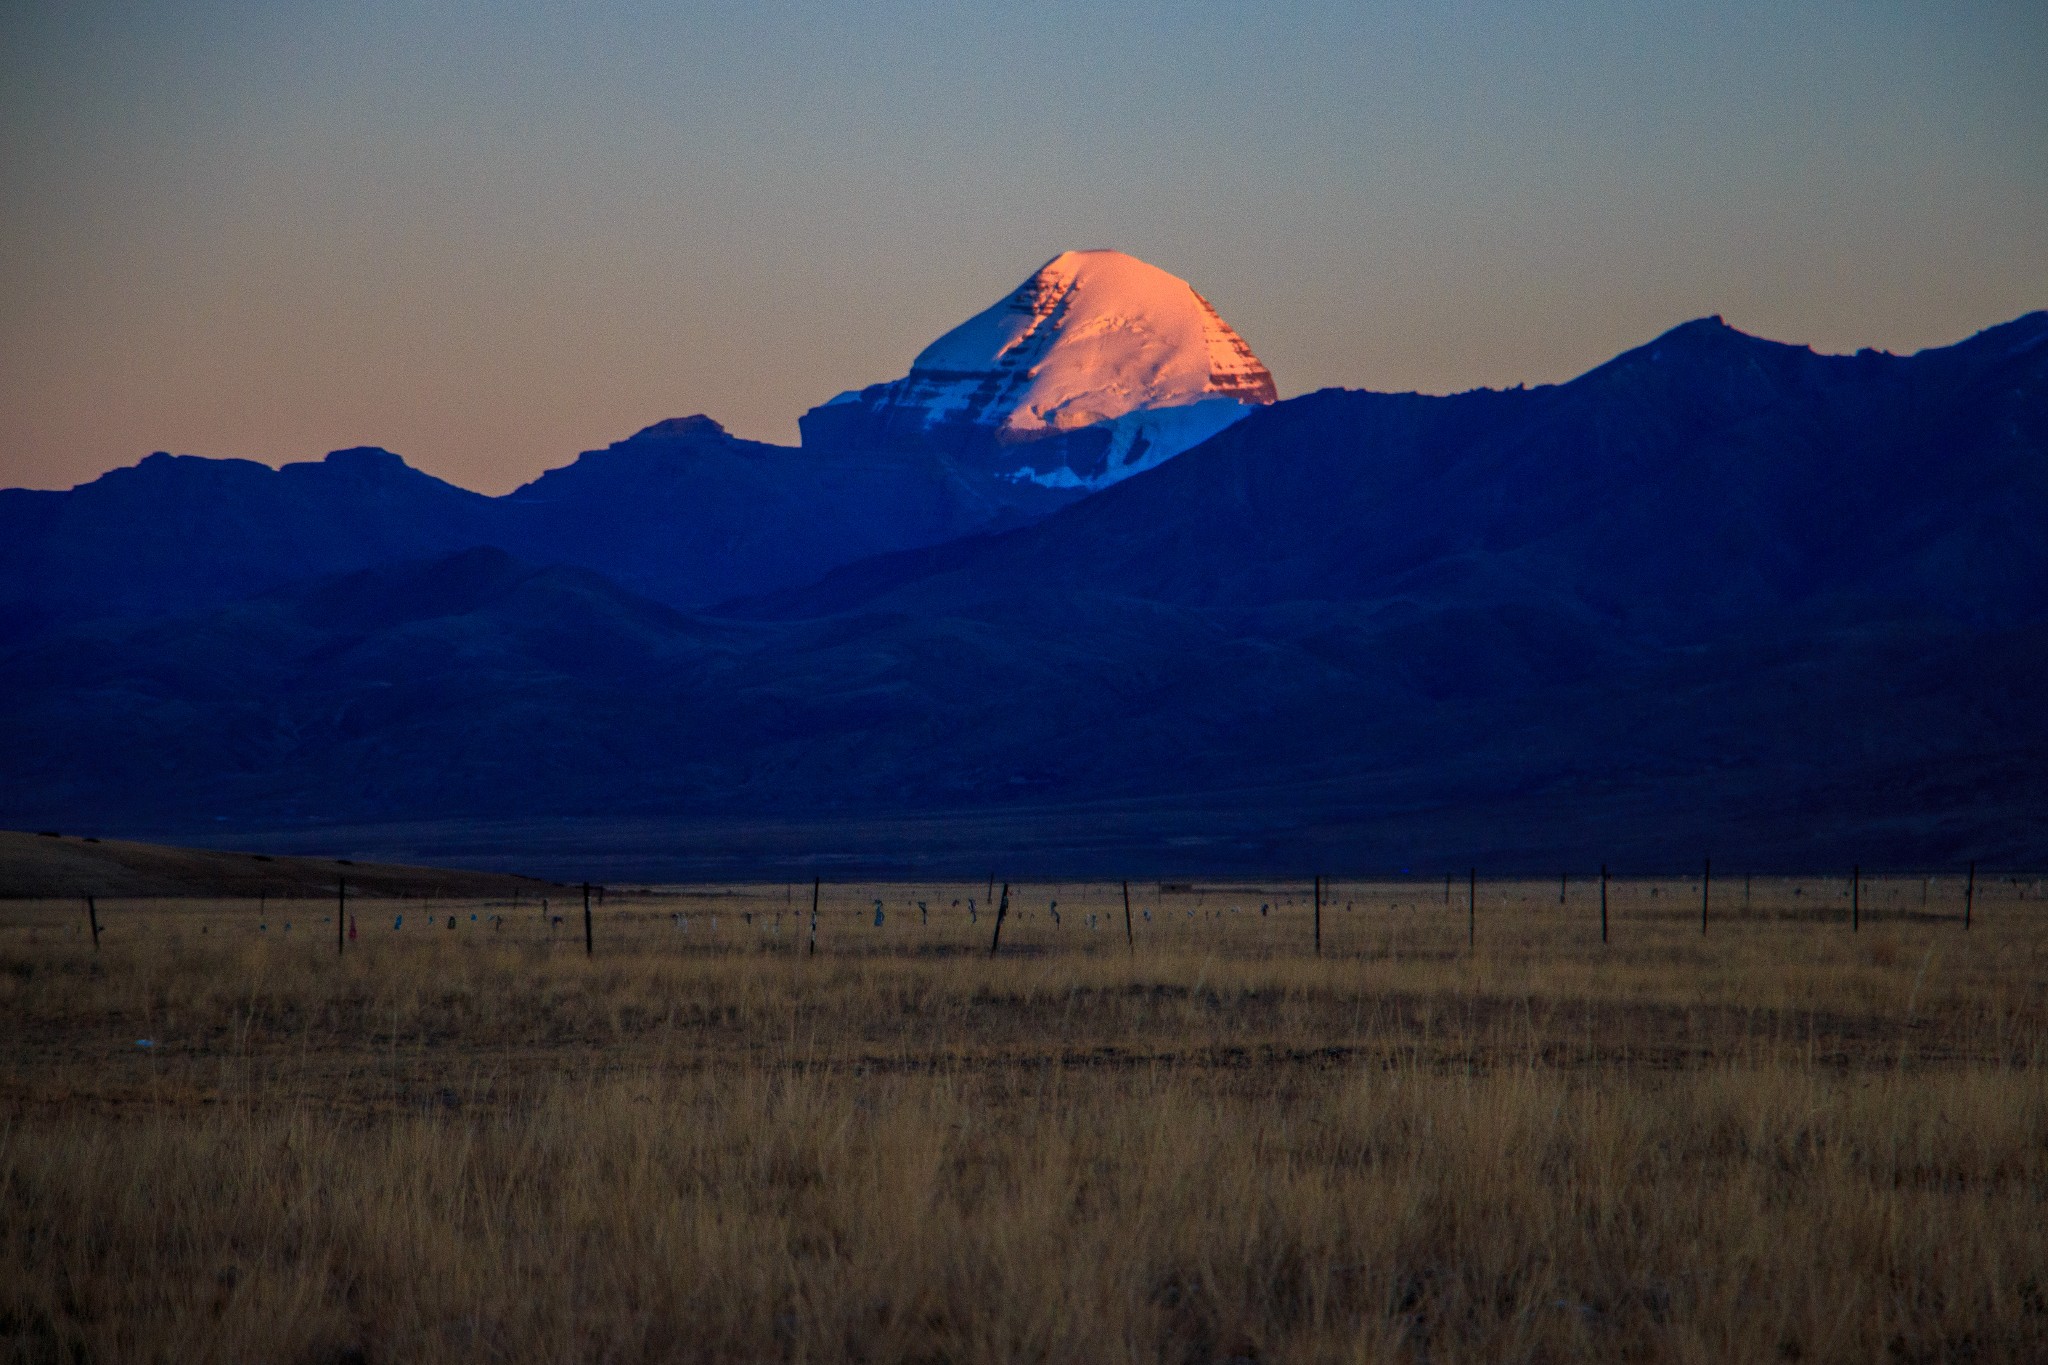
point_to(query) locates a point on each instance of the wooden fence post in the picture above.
(1855, 899)
(1472, 910)
(589, 940)
(1603, 902)
(340, 913)
(1562, 878)
(1706, 883)
(816, 882)
(1002, 913)
(1319, 916)
(92, 917)
(1129, 941)
(1969, 900)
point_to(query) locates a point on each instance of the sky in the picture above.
(491, 236)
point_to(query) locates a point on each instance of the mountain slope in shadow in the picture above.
(681, 512)
(1717, 593)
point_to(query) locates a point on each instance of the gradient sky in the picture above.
(490, 236)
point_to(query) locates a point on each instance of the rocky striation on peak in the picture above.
(1096, 367)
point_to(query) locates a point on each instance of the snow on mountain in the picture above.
(1091, 336)
(1112, 364)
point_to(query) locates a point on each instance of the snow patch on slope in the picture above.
(1144, 439)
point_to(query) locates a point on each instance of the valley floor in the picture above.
(1460, 1132)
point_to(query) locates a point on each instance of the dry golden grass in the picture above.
(1778, 1140)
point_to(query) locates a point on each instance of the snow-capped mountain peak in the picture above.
(1098, 346)
(1090, 336)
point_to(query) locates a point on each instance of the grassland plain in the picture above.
(462, 1138)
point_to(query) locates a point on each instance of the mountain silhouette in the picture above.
(1118, 362)
(1680, 490)
(174, 533)
(1717, 594)
(681, 511)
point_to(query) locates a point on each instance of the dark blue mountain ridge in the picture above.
(687, 514)
(176, 532)
(1680, 489)
(1717, 592)
(681, 511)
